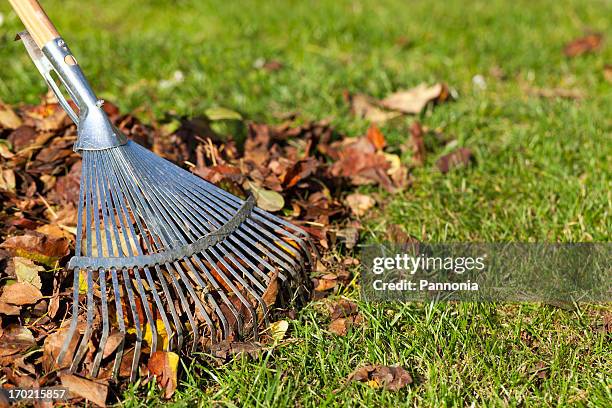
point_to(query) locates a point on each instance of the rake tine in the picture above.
(210, 298)
(88, 328)
(74, 320)
(227, 216)
(147, 311)
(120, 323)
(137, 327)
(140, 205)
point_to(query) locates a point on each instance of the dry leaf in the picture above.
(392, 378)
(93, 391)
(278, 329)
(27, 271)
(20, 293)
(460, 157)
(38, 247)
(365, 107)
(414, 100)
(113, 341)
(418, 144)
(557, 93)
(583, 45)
(164, 366)
(267, 200)
(7, 180)
(608, 73)
(15, 339)
(226, 348)
(8, 117)
(360, 203)
(376, 137)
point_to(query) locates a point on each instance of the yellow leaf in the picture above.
(279, 329)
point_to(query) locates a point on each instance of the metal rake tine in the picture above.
(120, 323)
(74, 320)
(137, 326)
(219, 290)
(88, 328)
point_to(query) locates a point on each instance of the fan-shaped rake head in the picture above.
(168, 259)
(164, 260)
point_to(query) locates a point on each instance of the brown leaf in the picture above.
(15, 339)
(418, 144)
(341, 325)
(114, 340)
(392, 378)
(325, 282)
(272, 65)
(9, 310)
(226, 348)
(38, 247)
(20, 293)
(343, 308)
(458, 158)
(607, 73)
(164, 366)
(299, 171)
(7, 180)
(359, 161)
(22, 137)
(414, 100)
(376, 137)
(360, 203)
(93, 391)
(583, 45)
(8, 117)
(51, 349)
(365, 107)
(556, 93)
(269, 296)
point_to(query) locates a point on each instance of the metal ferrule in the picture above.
(94, 129)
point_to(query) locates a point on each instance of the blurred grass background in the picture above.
(543, 171)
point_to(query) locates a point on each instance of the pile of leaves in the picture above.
(304, 171)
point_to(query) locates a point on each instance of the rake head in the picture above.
(164, 260)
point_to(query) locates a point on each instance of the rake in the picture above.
(162, 257)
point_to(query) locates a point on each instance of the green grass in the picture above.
(543, 171)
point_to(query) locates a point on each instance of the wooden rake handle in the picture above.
(35, 21)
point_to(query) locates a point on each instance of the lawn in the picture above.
(543, 172)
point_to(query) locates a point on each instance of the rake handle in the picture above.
(35, 21)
